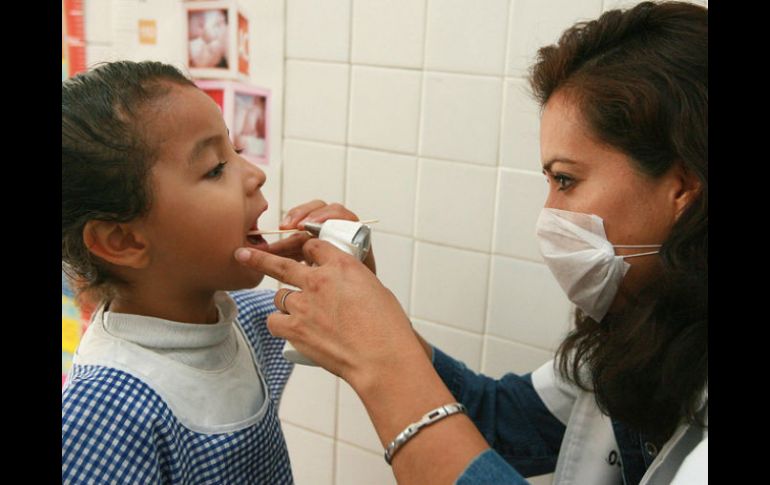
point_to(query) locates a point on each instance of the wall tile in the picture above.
(318, 29)
(461, 118)
(393, 257)
(456, 204)
(312, 171)
(382, 186)
(389, 33)
(97, 16)
(310, 399)
(358, 467)
(463, 346)
(385, 108)
(520, 135)
(316, 104)
(521, 196)
(354, 425)
(99, 53)
(450, 286)
(534, 24)
(311, 455)
(466, 36)
(503, 356)
(526, 304)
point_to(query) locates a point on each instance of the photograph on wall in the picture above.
(246, 111)
(218, 95)
(243, 44)
(249, 124)
(207, 37)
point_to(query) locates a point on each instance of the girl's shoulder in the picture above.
(253, 304)
(104, 391)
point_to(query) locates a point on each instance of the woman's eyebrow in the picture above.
(548, 164)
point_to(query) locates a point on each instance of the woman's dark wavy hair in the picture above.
(105, 158)
(640, 80)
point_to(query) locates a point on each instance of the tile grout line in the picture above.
(418, 165)
(348, 122)
(498, 189)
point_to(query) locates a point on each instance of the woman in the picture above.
(624, 230)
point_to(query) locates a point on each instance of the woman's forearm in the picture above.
(401, 395)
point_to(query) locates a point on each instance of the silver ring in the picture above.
(282, 306)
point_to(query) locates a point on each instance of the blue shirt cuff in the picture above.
(490, 468)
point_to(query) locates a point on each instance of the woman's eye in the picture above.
(563, 181)
(217, 171)
(238, 150)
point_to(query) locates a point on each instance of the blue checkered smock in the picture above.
(117, 429)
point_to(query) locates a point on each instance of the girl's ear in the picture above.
(116, 243)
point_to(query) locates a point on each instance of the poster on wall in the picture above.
(245, 109)
(216, 40)
(148, 32)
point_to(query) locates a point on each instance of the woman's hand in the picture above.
(346, 321)
(343, 318)
(313, 211)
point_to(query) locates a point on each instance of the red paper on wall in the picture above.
(75, 39)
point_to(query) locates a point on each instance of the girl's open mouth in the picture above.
(256, 240)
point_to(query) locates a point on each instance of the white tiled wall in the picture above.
(412, 112)
(415, 112)
(423, 111)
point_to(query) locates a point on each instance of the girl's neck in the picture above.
(185, 309)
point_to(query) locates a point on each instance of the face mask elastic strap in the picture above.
(640, 254)
(637, 245)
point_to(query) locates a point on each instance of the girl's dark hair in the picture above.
(640, 80)
(105, 157)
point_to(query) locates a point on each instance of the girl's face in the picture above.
(587, 176)
(205, 197)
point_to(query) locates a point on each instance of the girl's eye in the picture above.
(217, 171)
(238, 150)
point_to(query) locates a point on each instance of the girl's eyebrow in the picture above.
(201, 145)
(548, 164)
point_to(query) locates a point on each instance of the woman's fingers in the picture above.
(290, 247)
(297, 214)
(278, 324)
(281, 299)
(316, 211)
(283, 269)
(322, 252)
(331, 211)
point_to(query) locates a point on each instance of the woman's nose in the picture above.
(550, 202)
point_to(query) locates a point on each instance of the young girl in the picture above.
(175, 381)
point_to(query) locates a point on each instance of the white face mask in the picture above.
(583, 261)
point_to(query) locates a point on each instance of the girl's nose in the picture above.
(254, 178)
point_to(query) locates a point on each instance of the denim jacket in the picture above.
(537, 423)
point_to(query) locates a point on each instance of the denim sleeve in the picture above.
(509, 414)
(489, 468)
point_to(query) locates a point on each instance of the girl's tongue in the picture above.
(257, 242)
